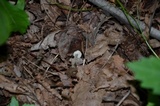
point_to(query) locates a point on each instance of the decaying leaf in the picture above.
(67, 82)
(49, 41)
(154, 43)
(66, 93)
(33, 29)
(9, 85)
(44, 83)
(17, 71)
(98, 50)
(93, 85)
(70, 41)
(52, 11)
(119, 64)
(53, 73)
(114, 34)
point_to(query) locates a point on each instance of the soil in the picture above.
(70, 57)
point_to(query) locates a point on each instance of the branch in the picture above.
(119, 15)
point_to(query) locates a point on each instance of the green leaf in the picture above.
(153, 100)
(28, 105)
(14, 102)
(147, 70)
(12, 19)
(150, 104)
(20, 4)
(5, 27)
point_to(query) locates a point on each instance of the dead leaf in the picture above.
(119, 64)
(11, 86)
(46, 85)
(83, 95)
(67, 82)
(33, 29)
(49, 41)
(97, 51)
(154, 43)
(66, 93)
(114, 34)
(17, 71)
(66, 2)
(85, 27)
(52, 11)
(70, 41)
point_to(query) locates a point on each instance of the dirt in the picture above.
(70, 57)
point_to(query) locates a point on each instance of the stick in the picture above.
(119, 15)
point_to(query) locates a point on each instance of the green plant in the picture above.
(13, 18)
(14, 102)
(147, 70)
(139, 30)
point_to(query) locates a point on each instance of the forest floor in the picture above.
(75, 55)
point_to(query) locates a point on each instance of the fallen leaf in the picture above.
(119, 64)
(154, 43)
(67, 82)
(51, 10)
(49, 41)
(70, 41)
(46, 85)
(96, 51)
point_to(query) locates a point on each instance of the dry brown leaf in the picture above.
(49, 41)
(66, 2)
(52, 11)
(150, 6)
(154, 43)
(26, 99)
(17, 71)
(46, 85)
(86, 27)
(100, 75)
(93, 84)
(8, 85)
(114, 34)
(70, 41)
(119, 64)
(31, 16)
(48, 61)
(113, 1)
(64, 44)
(98, 49)
(66, 93)
(33, 29)
(39, 95)
(5, 70)
(67, 82)
(84, 94)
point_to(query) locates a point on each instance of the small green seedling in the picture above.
(14, 102)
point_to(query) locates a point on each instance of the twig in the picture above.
(127, 94)
(115, 48)
(140, 30)
(33, 63)
(119, 15)
(70, 8)
(50, 63)
(95, 32)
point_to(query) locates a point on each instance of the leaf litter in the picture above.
(72, 58)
